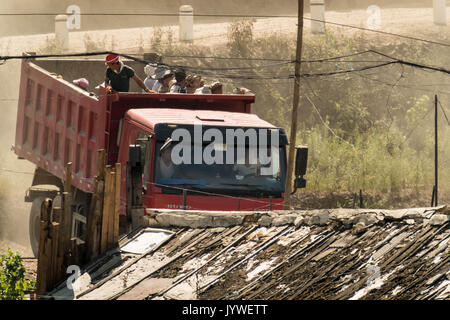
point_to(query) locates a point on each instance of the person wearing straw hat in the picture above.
(118, 75)
(193, 82)
(164, 76)
(216, 88)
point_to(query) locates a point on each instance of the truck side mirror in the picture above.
(301, 162)
(134, 178)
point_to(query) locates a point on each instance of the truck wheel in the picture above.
(35, 221)
(35, 225)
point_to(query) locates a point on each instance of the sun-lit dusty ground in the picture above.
(416, 22)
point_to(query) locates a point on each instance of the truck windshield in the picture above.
(253, 174)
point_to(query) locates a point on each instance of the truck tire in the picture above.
(34, 224)
(35, 221)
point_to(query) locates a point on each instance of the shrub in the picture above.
(13, 284)
(240, 37)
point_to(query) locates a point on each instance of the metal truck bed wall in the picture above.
(57, 122)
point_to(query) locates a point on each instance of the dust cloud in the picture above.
(14, 212)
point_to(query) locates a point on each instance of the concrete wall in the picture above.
(356, 218)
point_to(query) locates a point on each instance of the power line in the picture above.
(226, 58)
(321, 118)
(405, 86)
(172, 187)
(307, 75)
(149, 14)
(15, 171)
(130, 56)
(418, 123)
(381, 32)
(230, 76)
(330, 59)
(5, 58)
(233, 76)
(241, 68)
(446, 118)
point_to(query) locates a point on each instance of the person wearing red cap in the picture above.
(118, 75)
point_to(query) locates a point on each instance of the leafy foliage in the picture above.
(367, 130)
(240, 37)
(13, 284)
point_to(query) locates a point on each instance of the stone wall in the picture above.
(349, 218)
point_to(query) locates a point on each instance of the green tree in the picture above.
(13, 284)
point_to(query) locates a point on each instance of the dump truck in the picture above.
(59, 123)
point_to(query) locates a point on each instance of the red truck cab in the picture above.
(215, 186)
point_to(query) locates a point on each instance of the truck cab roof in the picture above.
(154, 116)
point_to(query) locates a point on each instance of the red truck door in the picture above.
(135, 134)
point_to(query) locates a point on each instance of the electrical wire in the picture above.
(330, 59)
(15, 171)
(148, 14)
(265, 204)
(321, 118)
(132, 57)
(381, 32)
(239, 16)
(417, 124)
(234, 76)
(405, 86)
(443, 111)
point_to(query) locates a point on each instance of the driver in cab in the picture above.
(165, 164)
(247, 169)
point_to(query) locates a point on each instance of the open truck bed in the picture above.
(57, 122)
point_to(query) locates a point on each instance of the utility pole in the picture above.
(436, 150)
(292, 140)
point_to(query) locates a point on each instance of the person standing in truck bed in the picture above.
(180, 84)
(150, 80)
(164, 77)
(118, 75)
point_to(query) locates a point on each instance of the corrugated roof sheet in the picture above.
(403, 254)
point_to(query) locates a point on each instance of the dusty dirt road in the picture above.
(417, 22)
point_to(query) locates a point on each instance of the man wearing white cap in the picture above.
(118, 75)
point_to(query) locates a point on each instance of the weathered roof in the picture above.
(151, 117)
(321, 254)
